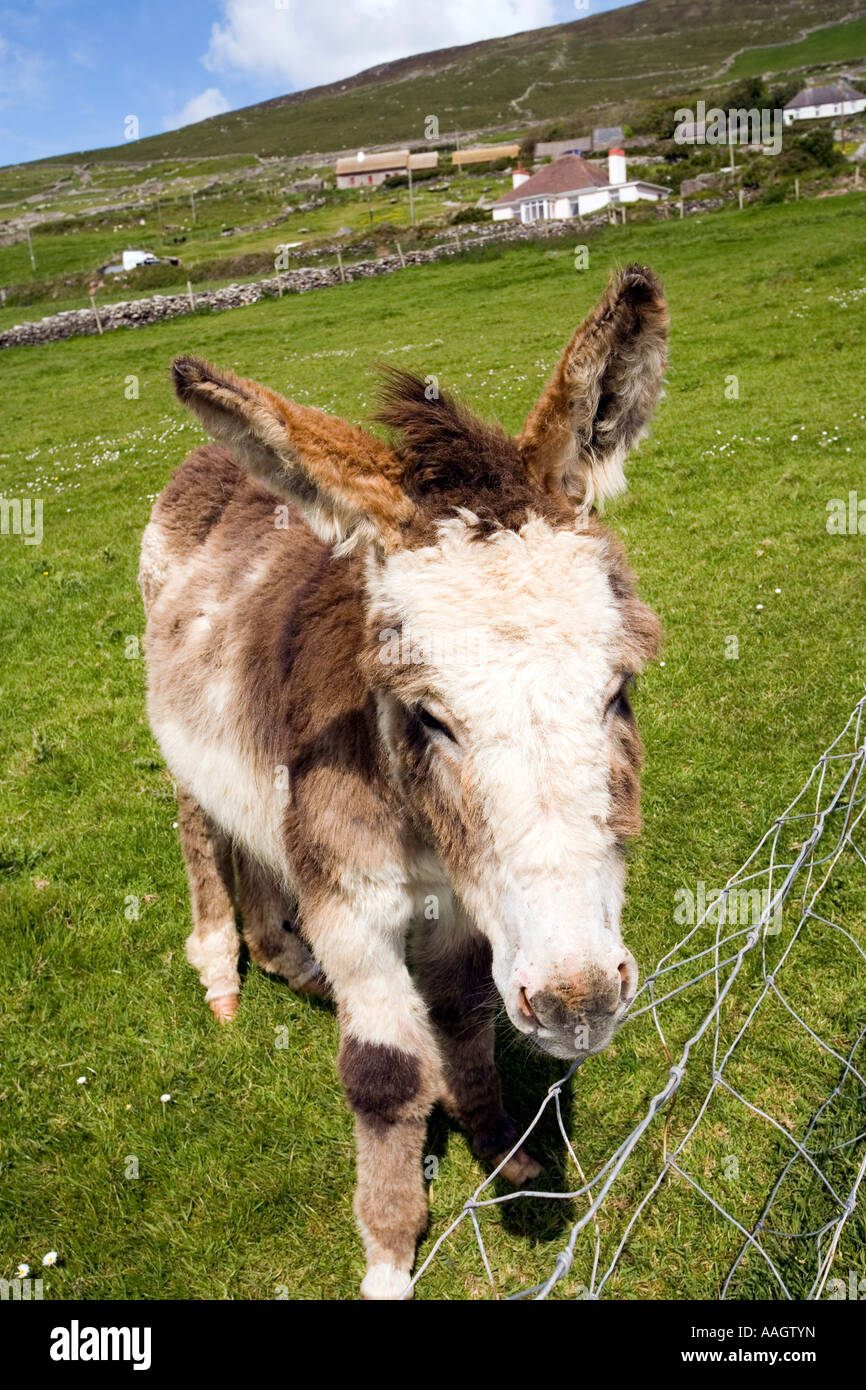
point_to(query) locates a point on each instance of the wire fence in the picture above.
(747, 963)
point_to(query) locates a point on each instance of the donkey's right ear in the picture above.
(343, 479)
(602, 392)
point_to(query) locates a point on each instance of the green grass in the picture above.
(840, 43)
(68, 254)
(245, 1176)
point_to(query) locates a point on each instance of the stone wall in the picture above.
(135, 312)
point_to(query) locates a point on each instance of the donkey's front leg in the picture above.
(389, 1067)
(453, 968)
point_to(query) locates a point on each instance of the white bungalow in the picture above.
(813, 103)
(572, 187)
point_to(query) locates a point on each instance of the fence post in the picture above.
(340, 264)
(740, 196)
(400, 254)
(191, 295)
(96, 312)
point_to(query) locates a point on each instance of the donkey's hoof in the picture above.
(520, 1167)
(225, 1007)
(385, 1282)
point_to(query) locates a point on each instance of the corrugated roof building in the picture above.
(482, 154)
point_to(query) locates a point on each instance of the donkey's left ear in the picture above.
(343, 480)
(602, 392)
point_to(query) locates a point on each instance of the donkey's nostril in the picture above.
(626, 975)
(524, 1005)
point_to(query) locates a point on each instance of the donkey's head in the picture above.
(503, 632)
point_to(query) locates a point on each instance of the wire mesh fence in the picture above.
(761, 1071)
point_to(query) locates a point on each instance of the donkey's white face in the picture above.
(502, 631)
(506, 714)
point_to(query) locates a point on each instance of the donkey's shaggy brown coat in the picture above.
(365, 786)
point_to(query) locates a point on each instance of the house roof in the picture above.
(373, 163)
(482, 154)
(570, 174)
(825, 96)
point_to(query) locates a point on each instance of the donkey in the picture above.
(391, 682)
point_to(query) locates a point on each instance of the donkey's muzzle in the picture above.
(581, 1012)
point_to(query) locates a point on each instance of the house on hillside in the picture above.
(572, 187)
(814, 103)
(483, 154)
(552, 149)
(369, 170)
(605, 137)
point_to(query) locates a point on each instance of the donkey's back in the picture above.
(250, 639)
(209, 488)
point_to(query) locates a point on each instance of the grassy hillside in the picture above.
(572, 69)
(837, 43)
(244, 1177)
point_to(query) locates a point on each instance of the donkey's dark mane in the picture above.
(451, 458)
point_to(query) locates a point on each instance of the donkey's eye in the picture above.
(619, 706)
(432, 724)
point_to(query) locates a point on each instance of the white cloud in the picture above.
(304, 44)
(208, 103)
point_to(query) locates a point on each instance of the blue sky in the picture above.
(72, 71)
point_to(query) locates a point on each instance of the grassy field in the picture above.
(234, 219)
(240, 1185)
